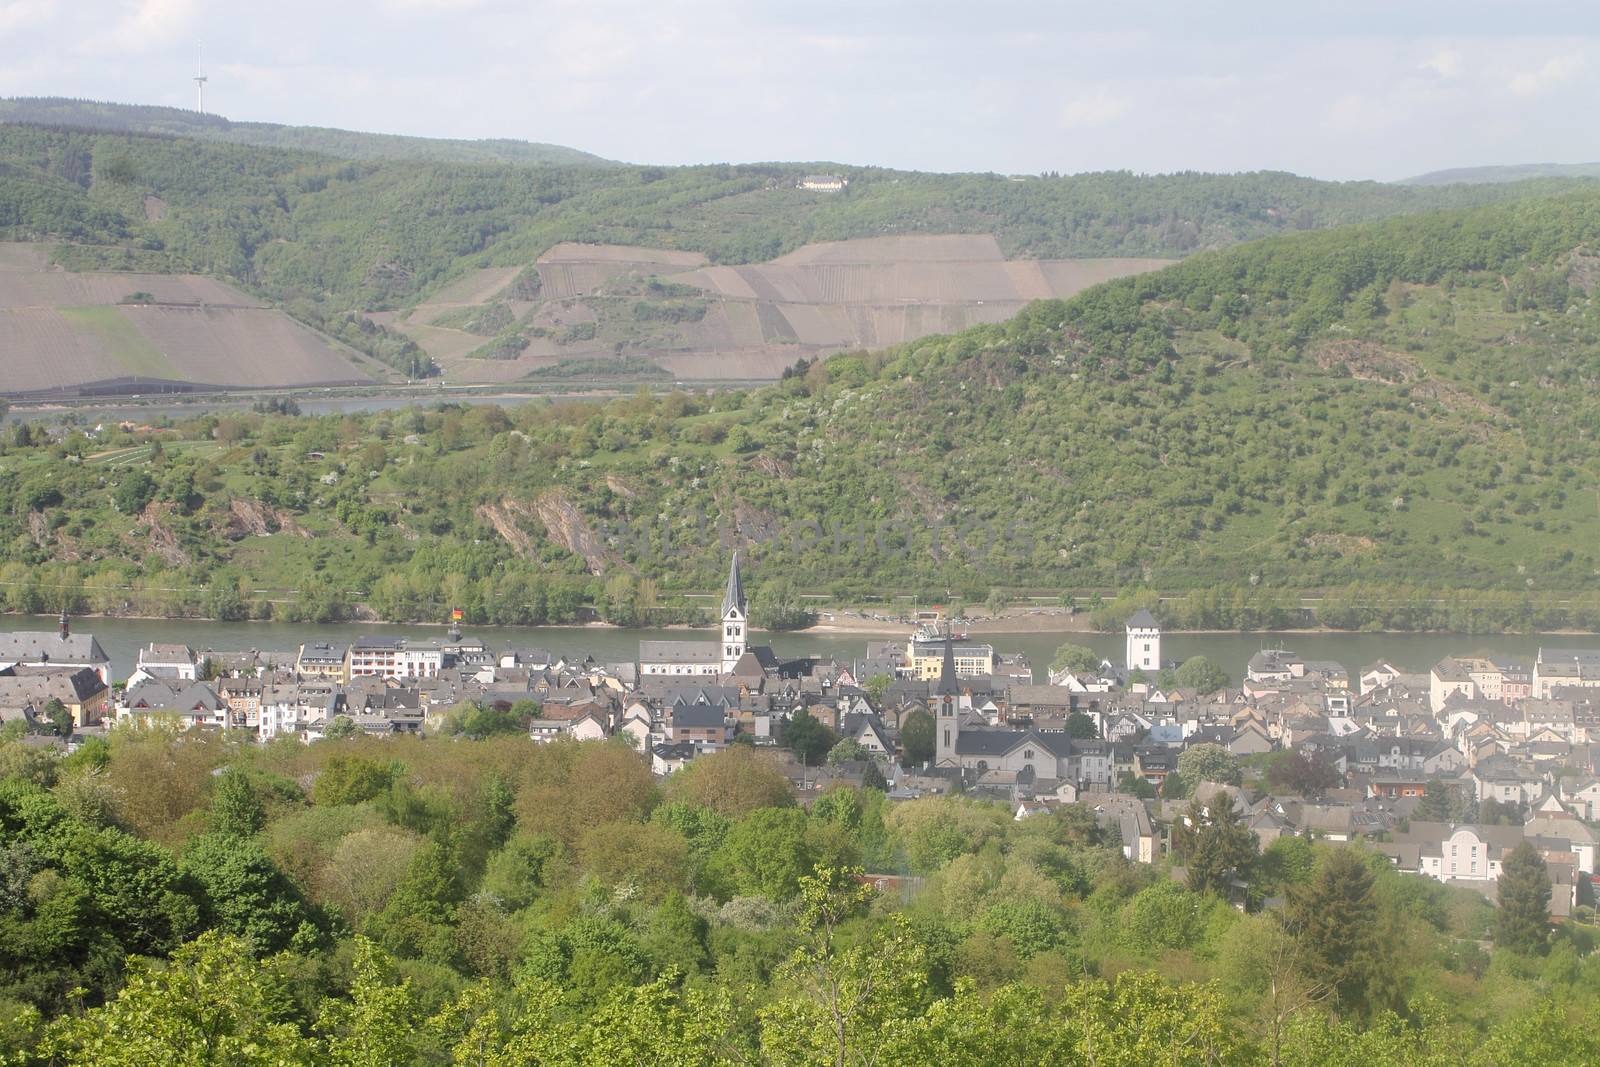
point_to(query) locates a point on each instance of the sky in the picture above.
(1363, 89)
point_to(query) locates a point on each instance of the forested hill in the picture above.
(345, 144)
(327, 235)
(1514, 172)
(1398, 411)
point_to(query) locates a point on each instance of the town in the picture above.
(1445, 773)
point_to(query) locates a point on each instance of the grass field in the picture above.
(61, 330)
(129, 352)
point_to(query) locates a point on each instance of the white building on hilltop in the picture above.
(1144, 643)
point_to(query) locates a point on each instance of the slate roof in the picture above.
(948, 684)
(679, 652)
(42, 646)
(733, 595)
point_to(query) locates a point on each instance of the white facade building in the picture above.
(1144, 643)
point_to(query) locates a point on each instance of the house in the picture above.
(590, 727)
(393, 657)
(667, 758)
(823, 183)
(81, 690)
(1582, 795)
(1499, 778)
(322, 659)
(292, 709)
(703, 723)
(1130, 818)
(1379, 675)
(30, 648)
(1448, 678)
(543, 731)
(194, 703)
(167, 662)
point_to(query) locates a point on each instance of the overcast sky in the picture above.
(1370, 90)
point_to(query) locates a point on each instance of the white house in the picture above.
(171, 663)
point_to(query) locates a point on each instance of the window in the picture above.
(947, 739)
(1027, 753)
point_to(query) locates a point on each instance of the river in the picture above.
(122, 639)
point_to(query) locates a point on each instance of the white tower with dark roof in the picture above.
(1144, 643)
(735, 619)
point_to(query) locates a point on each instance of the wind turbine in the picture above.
(199, 84)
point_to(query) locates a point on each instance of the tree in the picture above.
(1215, 845)
(134, 493)
(733, 783)
(377, 1026)
(1082, 727)
(807, 738)
(1076, 659)
(1444, 802)
(778, 607)
(339, 728)
(1200, 674)
(766, 853)
(848, 750)
(1301, 772)
(877, 688)
(236, 810)
(917, 738)
(212, 1004)
(347, 779)
(846, 1002)
(59, 716)
(1334, 918)
(1208, 763)
(1523, 921)
(247, 895)
(1134, 785)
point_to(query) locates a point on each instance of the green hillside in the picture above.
(1401, 412)
(1515, 172)
(346, 144)
(331, 239)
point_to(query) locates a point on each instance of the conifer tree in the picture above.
(1335, 919)
(1523, 922)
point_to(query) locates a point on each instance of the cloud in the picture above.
(1555, 71)
(146, 24)
(1096, 108)
(25, 14)
(1446, 63)
(432, 7)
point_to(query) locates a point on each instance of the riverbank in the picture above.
(1042, 621)
(122, 638)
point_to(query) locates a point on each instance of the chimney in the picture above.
(66, 631)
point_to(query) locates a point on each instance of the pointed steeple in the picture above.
(733, 597)
(948, 685)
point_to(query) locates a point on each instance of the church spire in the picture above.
(733, 602)
(948, 685)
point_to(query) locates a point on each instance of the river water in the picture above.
(122, 639)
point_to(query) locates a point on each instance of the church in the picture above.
(710, 659)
